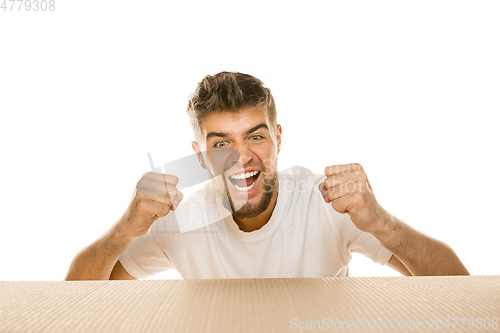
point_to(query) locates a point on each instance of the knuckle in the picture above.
(140, 183)
(163, 211)
(145, 184)
(358, 198)
(331, 195)
(337, 206)
(141, 205)
(147, 174)
(331, 170)
(174, 180)
(364, 186)
(359, 173)
(355, 168)
(172, 190)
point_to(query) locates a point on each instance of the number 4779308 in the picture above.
(28, 5)
(470, 323)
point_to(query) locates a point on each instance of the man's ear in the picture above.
(197, 150)
(278, 137)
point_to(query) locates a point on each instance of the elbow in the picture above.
(455, 265)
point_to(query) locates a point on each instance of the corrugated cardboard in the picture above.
(252, 305)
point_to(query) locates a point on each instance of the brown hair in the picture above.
(228, 92)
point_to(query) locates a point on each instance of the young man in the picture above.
(281, 224)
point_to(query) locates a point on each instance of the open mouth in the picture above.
(244, 182)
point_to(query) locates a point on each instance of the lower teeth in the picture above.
(248, 188)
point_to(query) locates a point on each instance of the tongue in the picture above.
(249, 181)
(244, 182)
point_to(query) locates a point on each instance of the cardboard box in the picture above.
(421, 304)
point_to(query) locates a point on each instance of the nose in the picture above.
(245, 153)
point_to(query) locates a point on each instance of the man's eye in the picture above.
(220, 144)
(256, 137)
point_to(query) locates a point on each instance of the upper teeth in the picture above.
(244, 175)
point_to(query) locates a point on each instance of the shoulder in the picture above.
(299, 185)
(299, 174)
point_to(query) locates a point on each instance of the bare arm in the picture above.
(119, 273)
(421, 254)
(96, 261)
(154, 197)
(397, 265)
(348, 190)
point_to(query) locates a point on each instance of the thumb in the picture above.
(324, 192)
(176, 200)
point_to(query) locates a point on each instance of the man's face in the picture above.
(248, 182)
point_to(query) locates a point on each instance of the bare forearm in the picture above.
(155, 196)
(96, 261)
(421, 254)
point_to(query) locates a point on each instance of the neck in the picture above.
(252, 224)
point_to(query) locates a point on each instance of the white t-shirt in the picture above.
(305, 237)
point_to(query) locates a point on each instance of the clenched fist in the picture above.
(347, 188)
(155, 196)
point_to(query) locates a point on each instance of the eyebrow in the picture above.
(225, 134)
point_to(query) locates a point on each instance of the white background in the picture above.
(408, 89)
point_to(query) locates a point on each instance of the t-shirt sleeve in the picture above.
(366, 244)
(144, 257)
